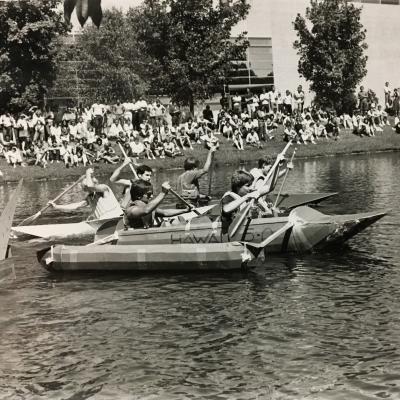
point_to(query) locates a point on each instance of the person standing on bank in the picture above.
(188, 182)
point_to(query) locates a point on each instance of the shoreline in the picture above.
(348, 144)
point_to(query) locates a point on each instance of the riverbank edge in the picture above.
(347, 145)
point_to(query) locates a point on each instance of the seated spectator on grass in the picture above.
(66, 153)
(227, 130)
(40, 151)
(270, 127)
(157, 148)
(320, 130)
(252, 139)
(170, 148)
(289, 133)
(182, 138)
(210, 140)
(237, 139)
(147, 148)
(13, 157)
(137, 148)
(107, 154)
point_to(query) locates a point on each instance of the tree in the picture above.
(331, 48)
(105, 64)
(28, 33)
(190, 43)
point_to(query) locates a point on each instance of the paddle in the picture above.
(126, 156)
(241, 216)
(29, 220)
(107, 239)
(284, 179)
(171, 190)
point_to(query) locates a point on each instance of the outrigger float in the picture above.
(151, 258)
(173, 248)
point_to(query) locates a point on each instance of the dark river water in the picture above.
(319, 326)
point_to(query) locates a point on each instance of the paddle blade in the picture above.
(29, 220)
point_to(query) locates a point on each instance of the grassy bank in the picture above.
(347, 144)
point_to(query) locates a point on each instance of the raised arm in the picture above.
(115, 176)
(208, 162)
(137, 211)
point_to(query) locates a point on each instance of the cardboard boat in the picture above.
(79, 229)
(312, 230)
(88, 228)
(150, 258)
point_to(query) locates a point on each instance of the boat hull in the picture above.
(80, 229)
(147, 258)
(57, 231)
(89, 228)
(312, 230)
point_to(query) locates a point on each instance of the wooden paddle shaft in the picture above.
(284, 180)
(126, 156)
(54, 200)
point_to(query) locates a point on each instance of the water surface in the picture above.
(318, 326)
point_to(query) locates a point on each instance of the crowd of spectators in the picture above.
(148, 129)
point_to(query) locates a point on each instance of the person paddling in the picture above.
(188, 182)
(260, 179)
(264, 167)
(242, 190)
(144, 173)
(100, 199)
(142, 210)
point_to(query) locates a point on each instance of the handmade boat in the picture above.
(88, 228)
(6, 219)
(313, 230)
(160, 257)
(81, 229)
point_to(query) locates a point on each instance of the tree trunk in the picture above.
(191, 104)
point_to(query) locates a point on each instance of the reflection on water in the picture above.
(318, 326)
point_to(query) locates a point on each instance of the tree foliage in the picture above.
(102, 64)
(331, 45)
(28, 32)
(190, 43)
